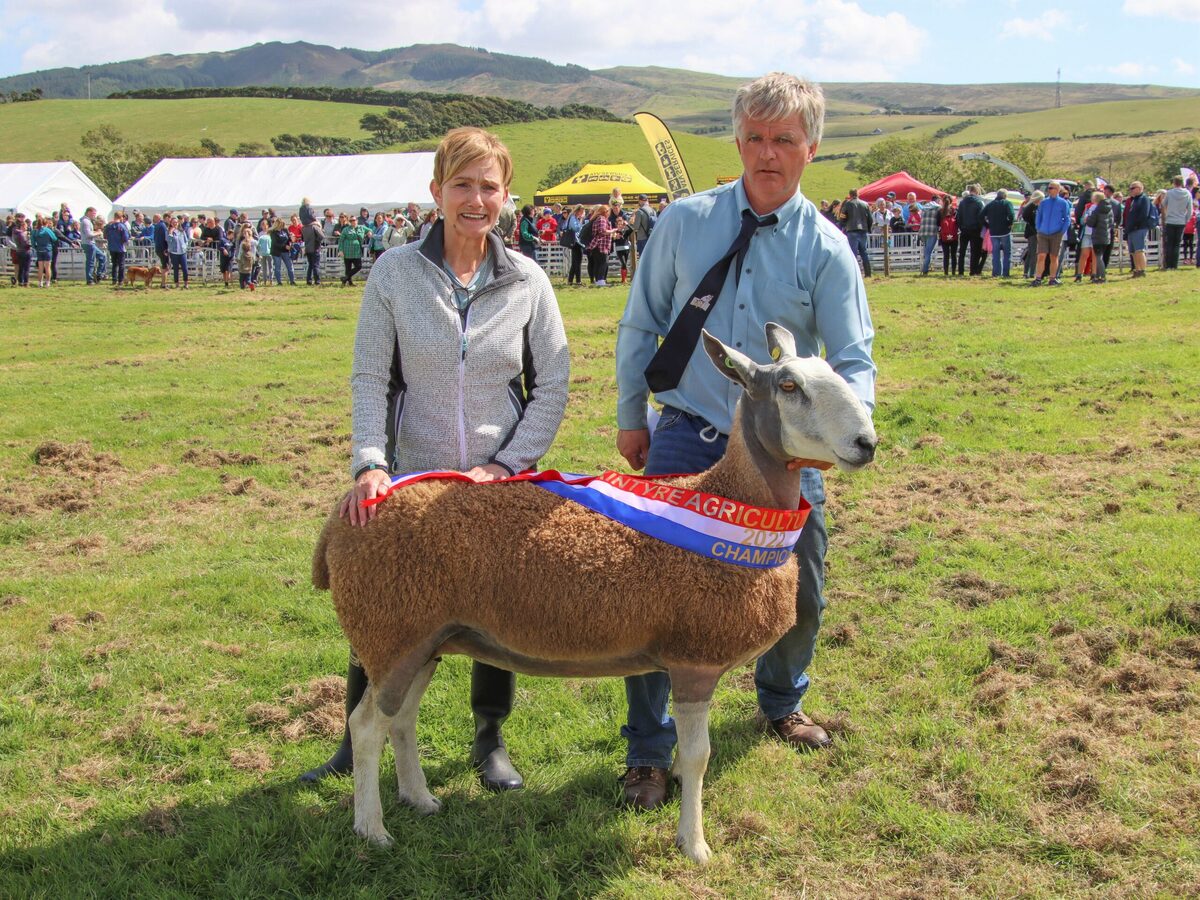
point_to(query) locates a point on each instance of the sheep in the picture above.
(521, 578)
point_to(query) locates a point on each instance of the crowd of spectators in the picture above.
(1059, 231)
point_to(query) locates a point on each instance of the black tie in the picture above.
(666, 368)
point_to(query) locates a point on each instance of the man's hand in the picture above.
(490, 472)
(370, 484)
(634, 444)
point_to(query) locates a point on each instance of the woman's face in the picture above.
(378, 218)
(471, 199)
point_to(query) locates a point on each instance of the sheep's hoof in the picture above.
(426, 806)
(377, 836)
(697, 851)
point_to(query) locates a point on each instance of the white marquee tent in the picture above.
(34, 188)
(342, 183)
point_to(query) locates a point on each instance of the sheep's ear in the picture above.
(780, 342)
(732, 364)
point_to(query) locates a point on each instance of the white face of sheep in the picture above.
(798, 406)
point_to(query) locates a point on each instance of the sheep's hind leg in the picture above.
(410, 778)
(368, 731)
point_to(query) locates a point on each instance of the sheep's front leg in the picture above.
(410, 778)
(691, 761)
(368, 731)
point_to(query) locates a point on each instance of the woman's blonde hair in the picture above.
(463, 147)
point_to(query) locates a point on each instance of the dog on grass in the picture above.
(142, 273)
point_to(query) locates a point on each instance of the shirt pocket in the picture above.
(790, 306)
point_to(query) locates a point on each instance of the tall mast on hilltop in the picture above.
(1058, 91)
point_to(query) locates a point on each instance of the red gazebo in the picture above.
(900, 183)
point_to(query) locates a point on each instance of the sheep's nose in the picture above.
(867, 445)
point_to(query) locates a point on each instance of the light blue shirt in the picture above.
(177, 242)
(799, 273)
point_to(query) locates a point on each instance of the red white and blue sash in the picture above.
(713, 526)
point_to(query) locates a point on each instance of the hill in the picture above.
(687, 99)
(50, 129)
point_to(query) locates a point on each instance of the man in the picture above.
(116, 233)
(364, 216)
(1136, 224)
(1177, 211)
(783, 262)
(1052, 222)
(999, 216)
(1085, 197)
(644, 221)
(970, 230)
(906, 210)
(158, 233)
(927, 230)
(231, 221)
(856, 222)
(87, 239)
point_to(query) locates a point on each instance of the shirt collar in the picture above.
(784, 212)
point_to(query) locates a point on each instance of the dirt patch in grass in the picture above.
(199, 729)
(99, 682)
(1070, 780)
(235, 487)
(840, 634)
(1010, 657)
(250, 761)
(318, 708)
(76, 459)
(107, 649)
(93, 770)
(63, 622)
(995, 686)
(161, 818)
(266, 715)
(1135, 675)
(970, 589)
(208, 458)
(87, 544)
(11, 601)
(1185, 615)
(228, 649)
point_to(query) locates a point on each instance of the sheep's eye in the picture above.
(787, 386)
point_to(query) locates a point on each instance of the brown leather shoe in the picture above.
(645, 787)
(799, 731)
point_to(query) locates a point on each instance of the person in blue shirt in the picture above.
(798, 271)
(1136, 223)
(116, 234)
(1053, 220)
(44, 239)
(159, 234)
(999, 217)
(178, 243)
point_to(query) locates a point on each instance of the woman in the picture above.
(178, 242)
(1099, 221)
(281, 252)
(351, 240)
(44, 240)
(1085, 260)
(571, 227)
(22, 252)
(599, 246)
(527, 236)
(431, 219)
(948, 237)
(621, 231)
(379, 236)
(835, 214)
(425, 307)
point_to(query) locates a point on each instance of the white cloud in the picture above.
(823, 39)
(1044, 27)
(1183, 67)
(1184, 10)
(1132, 70)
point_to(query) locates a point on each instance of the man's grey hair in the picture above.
(1001, 194)
(780, 96)
(975, 189)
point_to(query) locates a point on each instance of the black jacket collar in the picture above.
(433, 248)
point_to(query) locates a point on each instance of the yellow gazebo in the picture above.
(594, 184)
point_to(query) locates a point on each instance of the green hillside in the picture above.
(50, 129)
(1128, 116)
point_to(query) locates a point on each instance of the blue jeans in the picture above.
(1001, 255)
(641, 245)
(89, 263)
(780, 677)
(179, 264)
(931, 243)
(858, 247)
(284, 261)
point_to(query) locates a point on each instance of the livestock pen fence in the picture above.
(903, 251)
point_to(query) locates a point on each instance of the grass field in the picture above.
(1008, 662)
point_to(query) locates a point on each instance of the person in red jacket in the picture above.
(948, 237)
(547, 227)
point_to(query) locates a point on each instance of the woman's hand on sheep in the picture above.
(370, 484)
(634, 444)
(490, 472)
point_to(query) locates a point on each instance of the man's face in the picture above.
(774, 155)
(912, 198)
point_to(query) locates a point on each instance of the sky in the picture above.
(944, 41)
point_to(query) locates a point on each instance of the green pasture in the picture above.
(1125, 117)
(1008, 661)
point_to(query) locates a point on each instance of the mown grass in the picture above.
(1008, 661)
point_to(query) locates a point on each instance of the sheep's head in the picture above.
(798, 407)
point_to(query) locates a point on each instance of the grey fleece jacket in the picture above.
(433, 388)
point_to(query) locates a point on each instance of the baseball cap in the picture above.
(643, 197)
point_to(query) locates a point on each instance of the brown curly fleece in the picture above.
(531, 578)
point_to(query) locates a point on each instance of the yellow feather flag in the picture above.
(666, 154)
